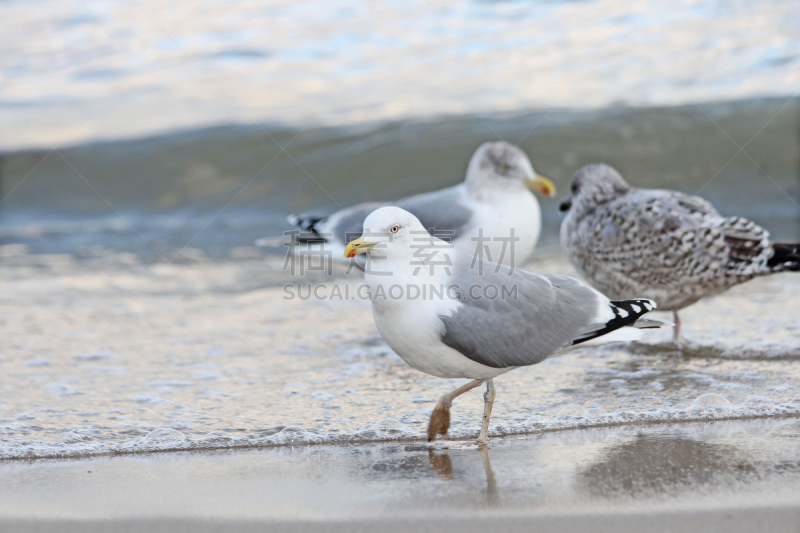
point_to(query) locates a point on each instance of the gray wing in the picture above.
(533, 317)
(348, 224)
(440, 211)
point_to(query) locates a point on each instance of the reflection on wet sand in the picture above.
(443, 466)
(657, 465)
(604, 465)
(491, 483)
(468, 470)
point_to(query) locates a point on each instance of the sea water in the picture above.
(118, 356)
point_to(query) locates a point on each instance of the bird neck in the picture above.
(431, 265)
(491, 190)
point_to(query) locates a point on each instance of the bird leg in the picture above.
(488, 402)
(676, 332)
(440, 417)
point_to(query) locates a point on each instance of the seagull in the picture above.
(477, 215)
(452, 315)
(665, 245)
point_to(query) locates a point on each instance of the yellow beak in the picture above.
(358, 246)
(543, 185)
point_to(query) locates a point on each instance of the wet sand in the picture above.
(724, 520)
(717, 476)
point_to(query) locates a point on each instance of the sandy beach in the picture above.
(720, 476)
(268, 422)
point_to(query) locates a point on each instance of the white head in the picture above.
(500, 165)
(395, 232)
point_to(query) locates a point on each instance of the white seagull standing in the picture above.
(450, 315)
(664, 245)
(493, 200)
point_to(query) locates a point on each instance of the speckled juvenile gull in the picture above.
(450, 315)
(494, 198)
(661, 244)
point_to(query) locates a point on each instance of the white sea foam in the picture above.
(77, 442)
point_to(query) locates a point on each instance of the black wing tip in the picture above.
(637, 306)
(785, 256)
(306, 222)
(626, 313)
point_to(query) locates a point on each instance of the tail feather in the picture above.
(785, 256)
(307, 223)
(652, 323)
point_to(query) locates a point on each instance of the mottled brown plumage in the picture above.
(660, 244)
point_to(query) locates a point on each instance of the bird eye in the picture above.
(503, 167)
(574, 188)
(395, 229)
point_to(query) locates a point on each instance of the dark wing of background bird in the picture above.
(441, 210)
